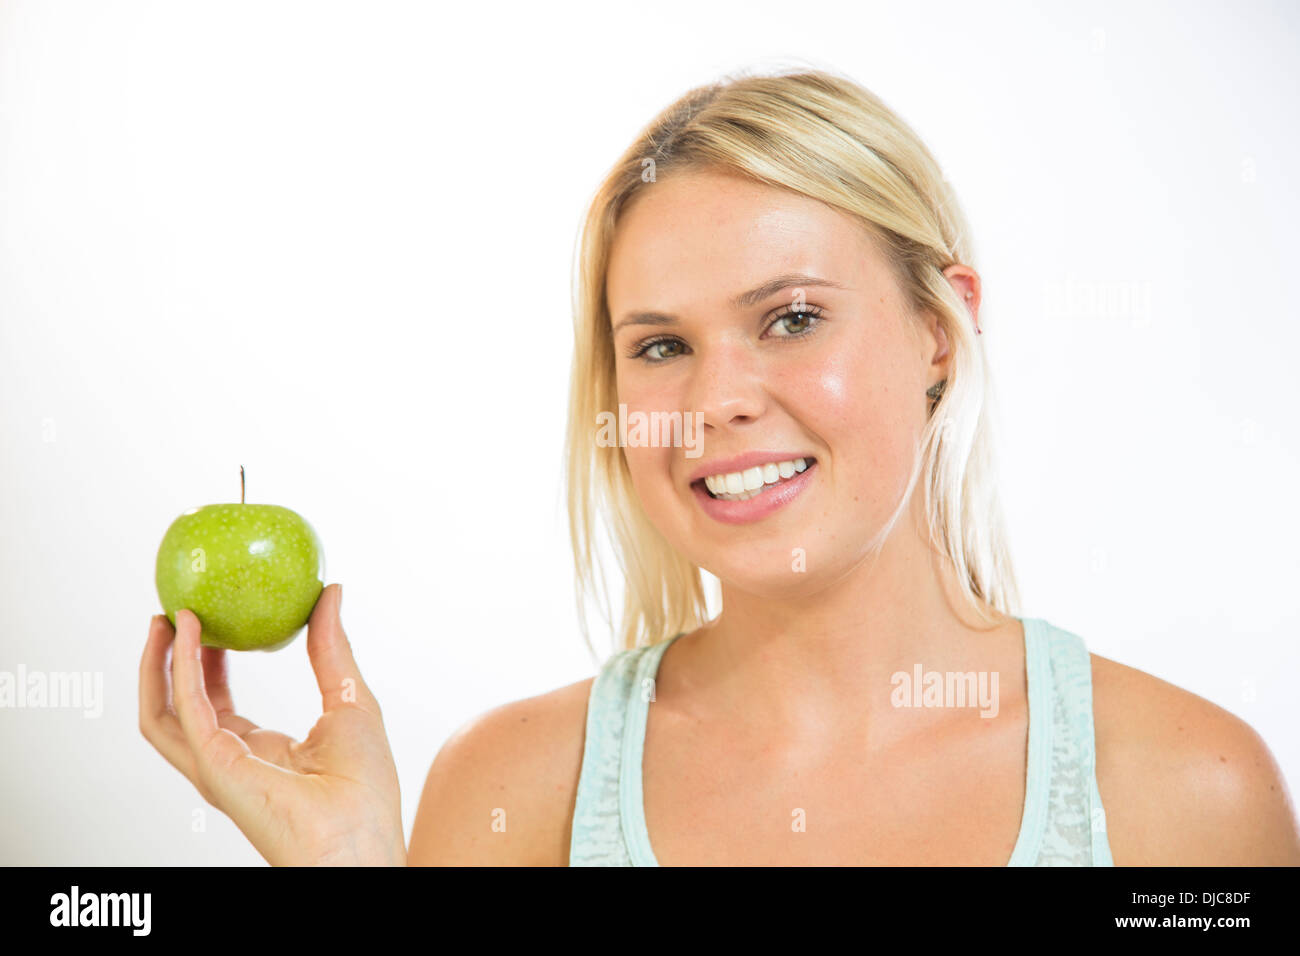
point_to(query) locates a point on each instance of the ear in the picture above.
(966, 283)
(940, 337)
(937, 342)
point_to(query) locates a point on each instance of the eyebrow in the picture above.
(742, 301)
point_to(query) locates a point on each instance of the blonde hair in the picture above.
(825, 137)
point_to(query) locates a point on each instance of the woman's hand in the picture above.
(330, 799)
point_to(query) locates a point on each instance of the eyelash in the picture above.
(813, 312)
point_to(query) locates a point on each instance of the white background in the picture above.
(332, 242)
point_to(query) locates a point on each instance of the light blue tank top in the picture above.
(1063, 823)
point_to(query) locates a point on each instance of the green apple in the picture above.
(251, 573)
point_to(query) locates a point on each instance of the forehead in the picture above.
(697, 237)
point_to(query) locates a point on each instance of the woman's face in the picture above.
(830, 368)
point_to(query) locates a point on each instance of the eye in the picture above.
(658, 349)
(792, 323)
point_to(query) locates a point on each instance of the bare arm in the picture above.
(502, 788)
(1183, 781)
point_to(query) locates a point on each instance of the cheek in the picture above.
(854, 399)
(649, 470)
(649, 465)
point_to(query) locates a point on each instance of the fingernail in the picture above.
(340, 607)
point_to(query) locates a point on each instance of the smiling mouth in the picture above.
(752, 482)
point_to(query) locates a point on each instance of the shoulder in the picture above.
(502, 788)
(1183, 781)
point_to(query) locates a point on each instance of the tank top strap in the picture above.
(1065, 823)
(616, 712)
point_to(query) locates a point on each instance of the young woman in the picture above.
(779, 260)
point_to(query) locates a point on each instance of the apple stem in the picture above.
(241, 484)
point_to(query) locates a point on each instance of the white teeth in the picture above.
(743, 485)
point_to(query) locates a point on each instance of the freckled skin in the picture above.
(685, 247)
(261, 573)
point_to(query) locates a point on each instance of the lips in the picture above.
(742, 485)
(758, 497)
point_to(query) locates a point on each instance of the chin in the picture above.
(783, 585)
(786, 556)
(780, 572)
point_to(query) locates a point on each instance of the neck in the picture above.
(823, 661)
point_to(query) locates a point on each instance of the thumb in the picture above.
(337, 674)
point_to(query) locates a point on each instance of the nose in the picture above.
(727, 387)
